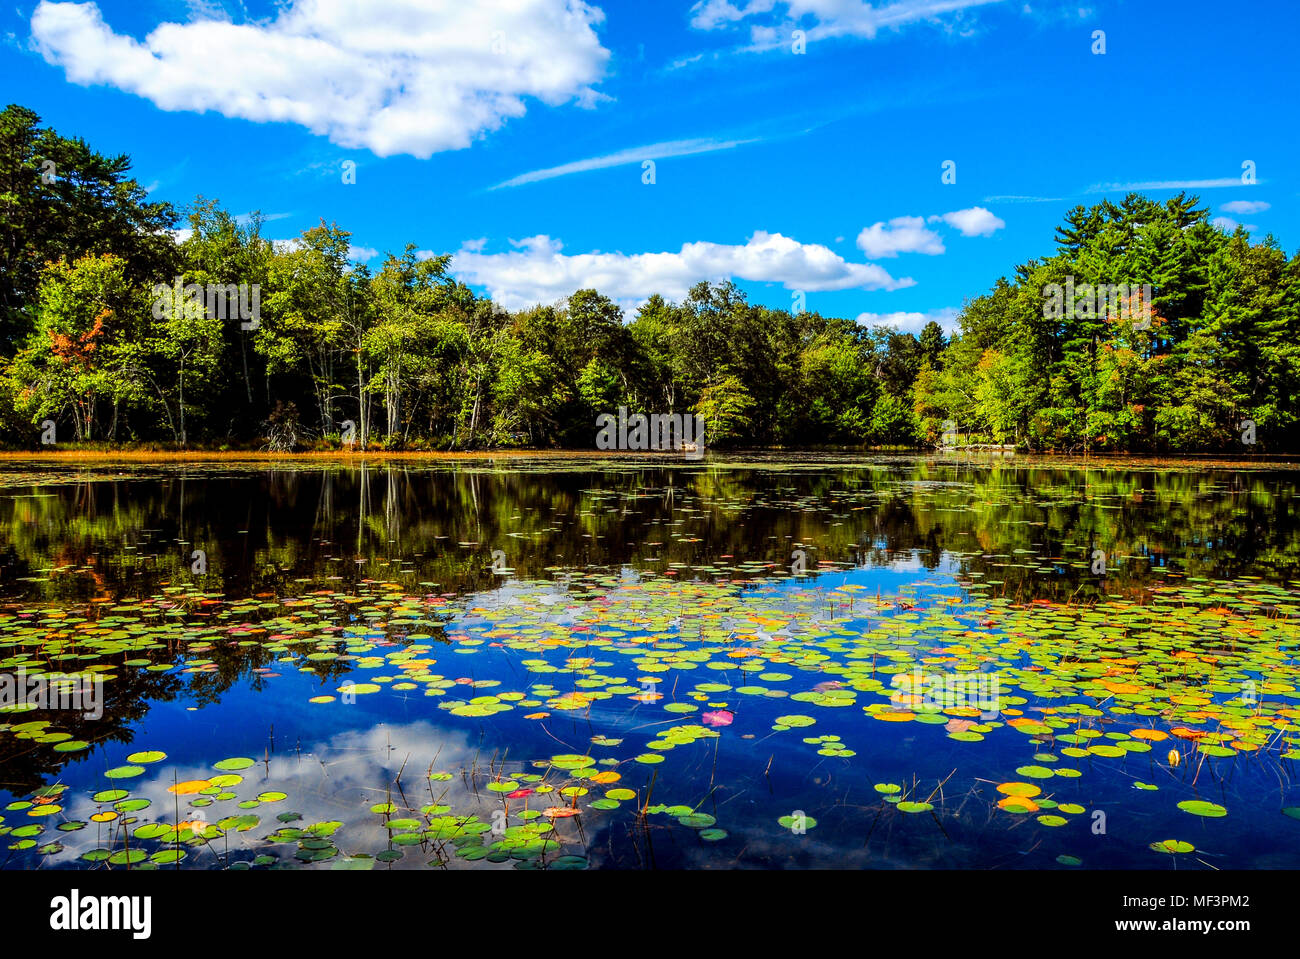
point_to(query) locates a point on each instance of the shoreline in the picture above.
(728, 457)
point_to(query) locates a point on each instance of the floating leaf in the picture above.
(1198, 807)
(233, 765)
(1173, 846)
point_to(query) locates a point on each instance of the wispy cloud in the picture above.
(1227, 181)
(686, 61)
(654, 151)
(1230, 225)
(830, 18)
(246, 218)
(1244, 206)
(1021, 198)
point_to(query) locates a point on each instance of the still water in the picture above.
(577, 662)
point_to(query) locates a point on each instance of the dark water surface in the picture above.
(551, 662)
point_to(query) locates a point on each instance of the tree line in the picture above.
(101, 344)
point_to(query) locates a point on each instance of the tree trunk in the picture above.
(248, 386)
(361, 403)
(181, 379)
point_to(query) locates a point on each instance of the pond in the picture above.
(566, 662)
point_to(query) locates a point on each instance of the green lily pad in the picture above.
(1199, 807)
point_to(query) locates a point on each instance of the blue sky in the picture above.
(513, 133)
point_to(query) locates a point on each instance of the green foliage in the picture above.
(60, 200)
(894, 423)
(410, 358)
(89, 348)
(1218, 351)
(725, 406)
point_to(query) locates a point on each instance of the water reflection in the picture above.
(314, 573)
(436, 526)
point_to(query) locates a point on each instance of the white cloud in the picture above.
(1229, 224)
(244, 219)
(830, 18)
(685, 61)
(903, 234)
(1165, 185)
(404, 76)
(1057, 14)
(946, 317)
(655, 151)
(536, 271)
(328, 779)
(357, 254)
(708, 14)
(1021, 198)
(909, 234)
(1244, 206)
(975, 221)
